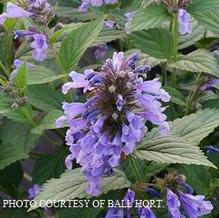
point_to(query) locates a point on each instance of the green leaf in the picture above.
(48, 122)
(196, 126)
(9, 180)
(10, 153)
(108, 35)
(19, 135)
(200, 5)
(197, 61)
(176, 96)
(155, 42)
(40, 75)
(74, 46)
(22, 77)
(150, 17)
(72, 184)
(67, 29)
(181, 144)
(211, 103)
(209, 19)
(194, 177)
(170, 150)
(49, 166)
(21, 115)
(44, 97)
(16, 142)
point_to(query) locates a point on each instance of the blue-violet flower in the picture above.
(112, 121)
(184, 20)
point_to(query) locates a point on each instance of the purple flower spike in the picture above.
(40, 47)
(113, 119)
(34, 191)
(14, 11)
(195, 206)
(184, 20)
(173, 204)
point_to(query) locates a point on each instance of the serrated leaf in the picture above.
(74, 46)
(72, 184)
(200, 5)
(150, 17)
(40, 75)
(196, 126)
(176, 96)
(154, 42)
(44, 97)
(108, 35)
(19, 134)
(197, 61)
(209, 19)
(48, 122)
(181, 145)
(171, 150)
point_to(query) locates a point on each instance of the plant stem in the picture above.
(193, 93)
(164, 73)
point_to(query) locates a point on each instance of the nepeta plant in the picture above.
(110, 100)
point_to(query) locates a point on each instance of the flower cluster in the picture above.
(13, 11)
(38, 43)
(193, 205)
(95, 3)
(144, 212)
(184, 20)
(38, 10)
(112, 121)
